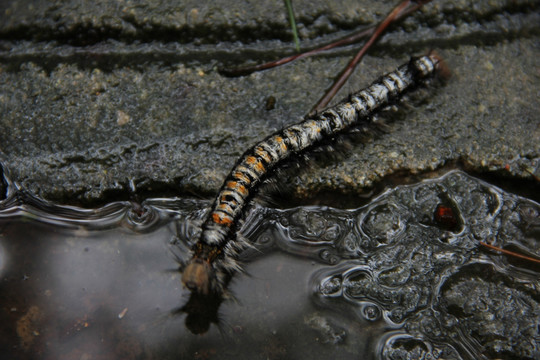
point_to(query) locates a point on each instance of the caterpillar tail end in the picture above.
(197, 276)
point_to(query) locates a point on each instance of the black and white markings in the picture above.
(214, 255)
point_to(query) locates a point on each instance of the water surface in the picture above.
(396, 279)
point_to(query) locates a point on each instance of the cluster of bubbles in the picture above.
(414, 258)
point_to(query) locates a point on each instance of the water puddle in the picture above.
(404, 277)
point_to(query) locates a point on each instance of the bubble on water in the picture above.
(358, 282)
(330, 286)
(314, 224)
(141, 217)
(329, 257)
(395, 276)
(487, 202)
(350, 245)
(382, 223)
(371, 312)
(332, 233)
(400, 346)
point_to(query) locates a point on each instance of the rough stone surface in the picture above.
(103, 100)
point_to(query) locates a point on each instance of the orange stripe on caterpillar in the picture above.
(256, 164)
(234, 185)
(259, 151)
(240, 176)
(223, 219)
(281, 143)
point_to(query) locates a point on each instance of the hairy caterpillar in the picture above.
(214, 255)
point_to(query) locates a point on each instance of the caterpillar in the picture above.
(213, 259)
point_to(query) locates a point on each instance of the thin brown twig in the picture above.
(508, 252)
(530, 172)
(342, 42)
(275, 63)
(328, 96)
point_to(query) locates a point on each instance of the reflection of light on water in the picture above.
(96, 276)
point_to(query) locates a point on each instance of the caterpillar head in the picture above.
(197, 276)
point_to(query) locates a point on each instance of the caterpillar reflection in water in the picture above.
(214, 255)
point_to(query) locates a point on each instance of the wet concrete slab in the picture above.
(109, 100)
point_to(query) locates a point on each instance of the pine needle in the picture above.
(293, 24)
(510, 253)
